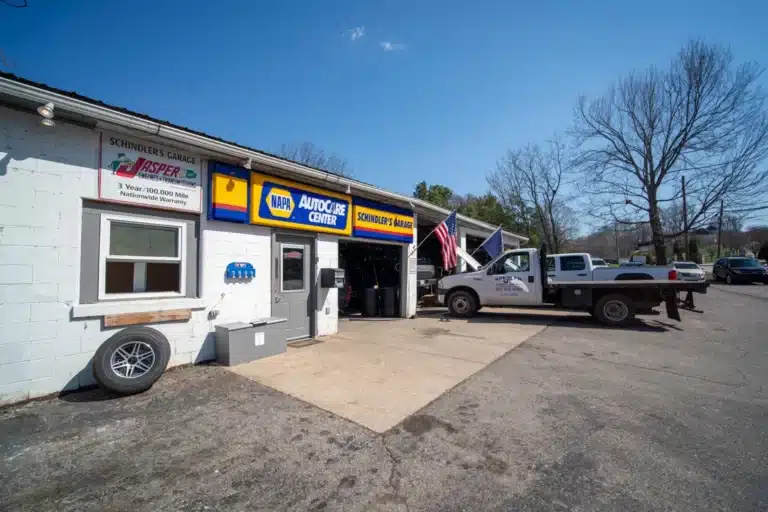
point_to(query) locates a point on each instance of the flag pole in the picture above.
(430, 234)
(488, 238)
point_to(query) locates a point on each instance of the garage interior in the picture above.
(372, 279)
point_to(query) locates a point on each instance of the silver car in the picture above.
(689, 271)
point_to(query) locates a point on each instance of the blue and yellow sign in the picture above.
(381, 221)
(228, 190)
(287, 204)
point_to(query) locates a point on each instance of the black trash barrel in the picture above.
(389, 301)
(370, 302)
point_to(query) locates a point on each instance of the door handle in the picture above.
(582, 275)
(277, 299)
(550, 275)
(530, 279)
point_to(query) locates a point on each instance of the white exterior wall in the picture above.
(223, 243)
(327, 299)
(44, 175)
(408, 281)
(46, 341)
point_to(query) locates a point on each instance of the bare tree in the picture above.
(529, 182)
(310, 155)
(704, 118)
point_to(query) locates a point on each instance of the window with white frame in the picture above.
(141, 257)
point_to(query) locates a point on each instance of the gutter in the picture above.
(104, 114)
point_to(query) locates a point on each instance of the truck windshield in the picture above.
(738, 263)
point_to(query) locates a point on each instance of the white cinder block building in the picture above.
(109, 219)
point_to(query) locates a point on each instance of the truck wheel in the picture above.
(462, 304)
(131, 360)
(615, 309)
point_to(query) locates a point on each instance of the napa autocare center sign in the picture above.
(288, 204)
(143, 173)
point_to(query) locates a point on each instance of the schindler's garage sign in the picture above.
(385, 222)
(282, 203)
(137, 172)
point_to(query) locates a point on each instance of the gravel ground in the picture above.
(660, 416)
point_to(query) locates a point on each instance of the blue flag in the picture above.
(494, 244)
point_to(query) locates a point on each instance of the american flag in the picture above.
(446, 233)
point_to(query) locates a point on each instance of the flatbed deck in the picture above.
(700, 287)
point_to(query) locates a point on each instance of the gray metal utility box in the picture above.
(241, 342)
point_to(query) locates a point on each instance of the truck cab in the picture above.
(513, 279)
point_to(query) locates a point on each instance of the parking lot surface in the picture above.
(660, 416)
(752, 290)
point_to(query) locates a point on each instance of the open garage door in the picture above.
(373, 281)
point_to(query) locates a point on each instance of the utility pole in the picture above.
(685, 223)
(719, 229)
(616, 238)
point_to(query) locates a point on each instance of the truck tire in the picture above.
(462, 303)
(131, 360)
(615, 310)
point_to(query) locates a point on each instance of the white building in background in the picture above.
(110, 218)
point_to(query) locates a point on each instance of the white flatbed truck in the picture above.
(528, 278)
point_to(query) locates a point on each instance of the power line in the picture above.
(746, 210)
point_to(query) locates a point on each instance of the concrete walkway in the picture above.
(378, 372)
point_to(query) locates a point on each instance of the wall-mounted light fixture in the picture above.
(46, 111)
(247, 164)
(349, 189)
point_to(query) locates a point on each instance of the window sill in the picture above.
(134, 306)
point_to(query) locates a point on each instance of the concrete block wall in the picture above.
(44, 175)
(236, 301)
(327, 309)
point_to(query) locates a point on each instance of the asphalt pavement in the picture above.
(660, 416)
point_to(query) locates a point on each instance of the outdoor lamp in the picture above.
(47, 112)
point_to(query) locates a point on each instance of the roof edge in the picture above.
(33, 91)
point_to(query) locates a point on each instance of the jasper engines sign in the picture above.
(137, 172)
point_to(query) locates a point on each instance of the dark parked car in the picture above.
(739, 270)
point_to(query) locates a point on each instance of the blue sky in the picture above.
(427, 90)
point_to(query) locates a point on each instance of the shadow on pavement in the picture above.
(538, 318)
(94, 394)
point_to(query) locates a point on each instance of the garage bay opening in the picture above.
(372, 274)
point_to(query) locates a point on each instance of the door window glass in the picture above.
(550, 263)
(292, 263)
(572, 263)
(513, 262)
